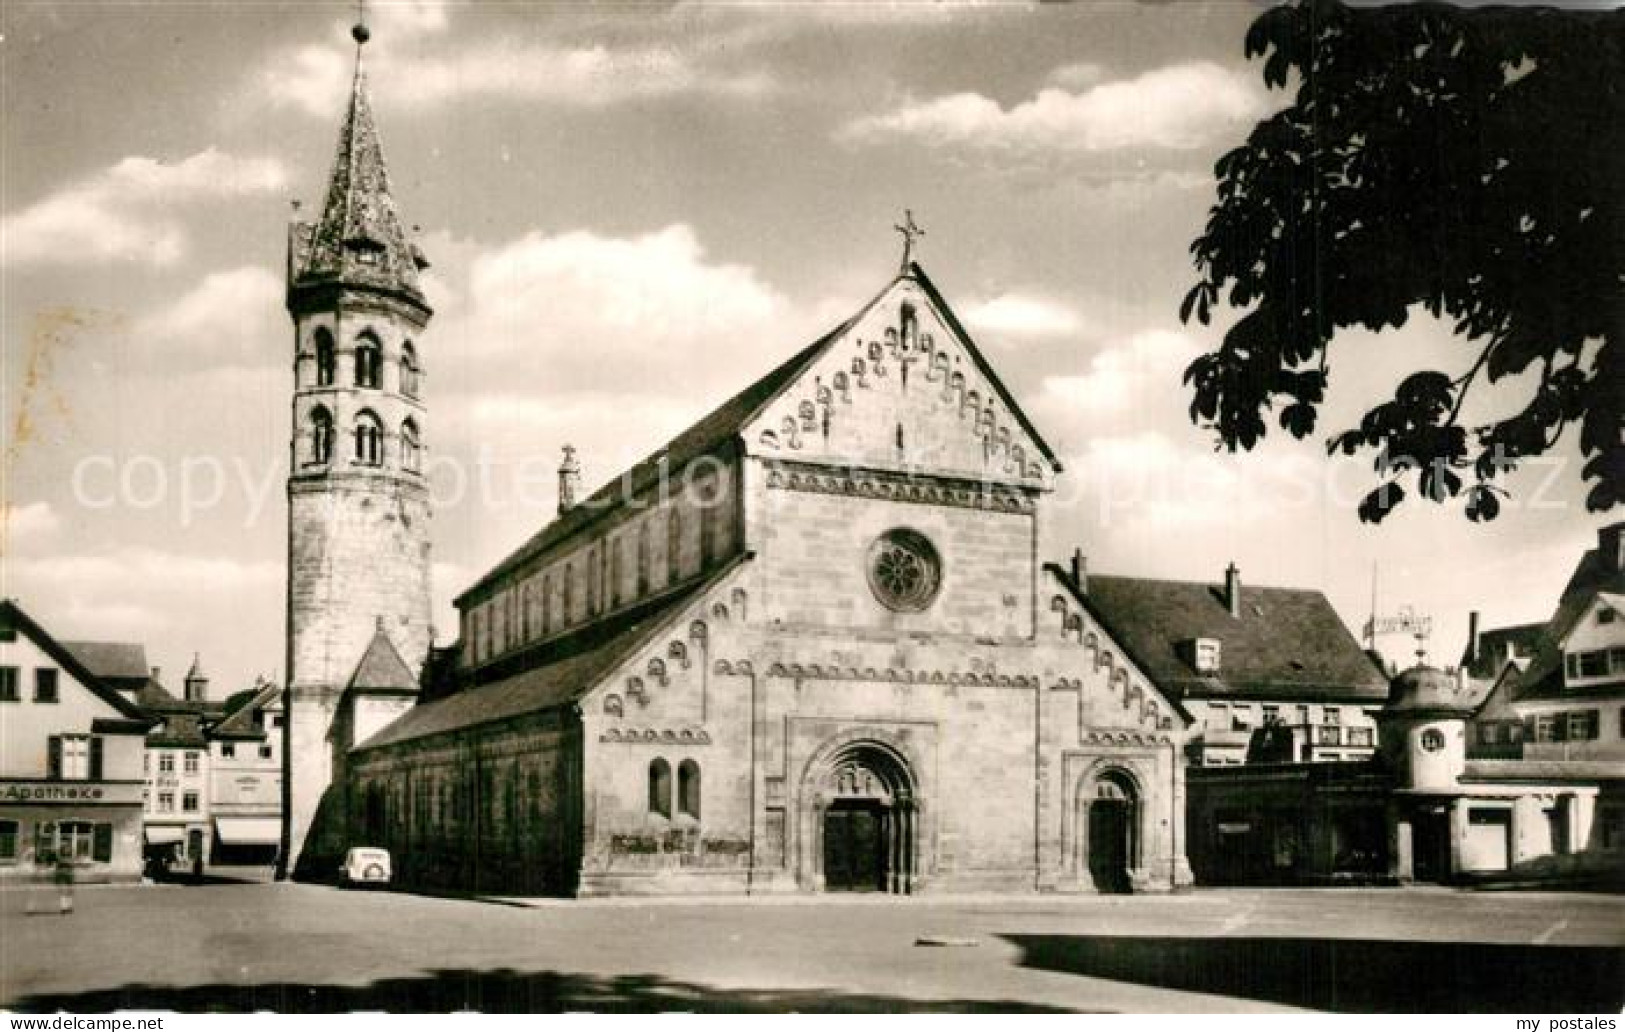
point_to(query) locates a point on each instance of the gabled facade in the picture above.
(805, 646)
(70, 761)
(245, 777)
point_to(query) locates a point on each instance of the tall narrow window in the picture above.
(594, 559)
(369, 360)
(567, 605)
(688, 788)
(615, 572)
(326, 358)
(643, 559)
(524, 613)
(547, 604)
(709, 518)
(674, 545)
(369, 440)
(409, 370)
(660, 788)
(411, 450)
(321, 437)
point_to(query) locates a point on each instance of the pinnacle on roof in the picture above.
(359, 239)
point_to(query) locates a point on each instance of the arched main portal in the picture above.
(1111, 824)
(866, 819)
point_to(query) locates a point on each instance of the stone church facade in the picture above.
(806, 646)
(809, 645)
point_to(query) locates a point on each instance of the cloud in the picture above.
(1178, 107)
(1023, 316)
(1076, 76)
(28, 522)
(129, 212)
(1126, 375)
(223, 321)
(588, 311)
(314, 78)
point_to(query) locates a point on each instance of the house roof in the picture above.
(1496, 646)
(381, 666)
(12, 615)
(122, 663)
(726, 422)
(179, 730)
(1595, 574)
(239, 722)
(577, 663)
(1288, 643)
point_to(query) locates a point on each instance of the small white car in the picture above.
(365, 865)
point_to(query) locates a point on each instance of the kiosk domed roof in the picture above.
(1429, 689)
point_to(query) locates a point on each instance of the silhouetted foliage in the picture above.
(1468, 161)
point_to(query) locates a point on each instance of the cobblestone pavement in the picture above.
(229, 946)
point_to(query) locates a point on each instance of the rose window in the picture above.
(904, 570)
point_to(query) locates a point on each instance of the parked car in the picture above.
(365, 865)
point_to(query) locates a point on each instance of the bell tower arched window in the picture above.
(369, 360)
(409, 370)
(369, 440)
(326, 358)
(321, 437)
(411, 449)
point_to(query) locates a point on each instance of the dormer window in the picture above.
(1205, 654)
(1605, 615)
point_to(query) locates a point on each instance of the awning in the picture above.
(248, 831)
(165, 836)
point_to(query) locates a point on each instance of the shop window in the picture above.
(660, 788)
(688, 788)
(8, 842)
(45, 684)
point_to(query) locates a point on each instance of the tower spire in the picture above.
(359, 240)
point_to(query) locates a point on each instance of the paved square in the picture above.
(302, 947)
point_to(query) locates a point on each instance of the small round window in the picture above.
(904, 570)
(1432, 739)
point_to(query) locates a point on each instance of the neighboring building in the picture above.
(1424, 809)
(1558, 689)
(245, 777)
(1268, 674)
(70, 760)
(177, 766)
(358, 506)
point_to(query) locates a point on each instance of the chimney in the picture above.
(1472, 638)
(197, 682)
(1611, 547)
(1232, 590)
(1080, 571)
(569, 479)
(155, 672)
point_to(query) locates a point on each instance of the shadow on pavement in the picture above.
(1352, 975)
(499, 991)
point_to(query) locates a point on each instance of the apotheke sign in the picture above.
(68, 792)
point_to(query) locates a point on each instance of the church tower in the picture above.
(358, 505)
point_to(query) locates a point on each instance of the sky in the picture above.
(632, 212)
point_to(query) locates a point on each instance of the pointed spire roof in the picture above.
(359, 240)
(196, 673)
(381, 666)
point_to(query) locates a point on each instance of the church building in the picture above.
(808, 645)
